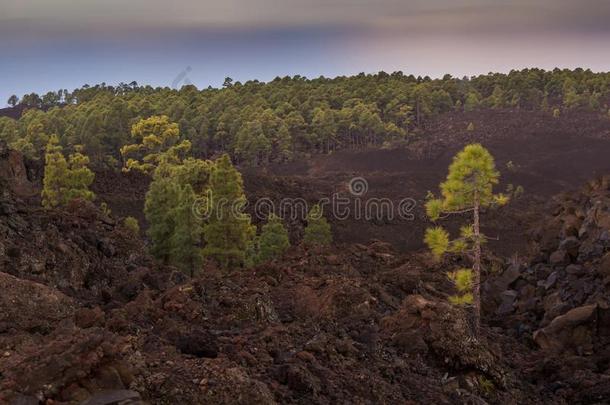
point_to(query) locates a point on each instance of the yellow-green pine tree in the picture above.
(156, 138)
(56, 174)
(80, 178)
(467, 189)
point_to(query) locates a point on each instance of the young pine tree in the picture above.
(228, 231)
(467, 189)
(273, 240)
(317, 231)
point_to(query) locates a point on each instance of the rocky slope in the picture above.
(561, 299)
(87, 317)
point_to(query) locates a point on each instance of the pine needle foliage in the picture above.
(132, 225)
(228, 231)
(185, 242)
(467, 190)
(65, 180)
(273, 239)
(156, 139)
(317, 231)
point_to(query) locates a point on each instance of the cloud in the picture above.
(415, 15)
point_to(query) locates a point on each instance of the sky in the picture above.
(47, 45)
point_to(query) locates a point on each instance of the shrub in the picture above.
(317, 231)
(132, 224)
(273, 240)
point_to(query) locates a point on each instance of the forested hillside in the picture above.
(288, 117)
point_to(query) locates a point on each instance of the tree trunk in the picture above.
(476, 287)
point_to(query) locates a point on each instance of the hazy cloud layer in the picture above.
(51, 44)
(413, 16)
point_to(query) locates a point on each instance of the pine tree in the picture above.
(317, 231)
(13, 100)
(497, 97)
(55, 174)
(472, 102)
(65, 180)
(175, 229)
(161, 199)
(467, 189)
(34, 140)
(273, 240)
(157, 139)
(228, 230)
(186, 252)
(80, 178)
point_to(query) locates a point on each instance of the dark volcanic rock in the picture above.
(198, 343)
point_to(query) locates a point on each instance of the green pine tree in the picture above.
(186, 253)
(55, 174)
(175, 229)
(162, 197)
(317, 231)
(467, 189)
(273, 239)
(157, 139)
(65, 180)
(80, 178)
(472, 102)
(228, 231)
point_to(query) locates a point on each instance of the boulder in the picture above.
(570, 331)
(496, 287)
(114, 397)
(604, 265)
(198, 343)
(550, 280)
(507, 305)
(30, 306)
(575, 269)
(570, 245)
(559, 257)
